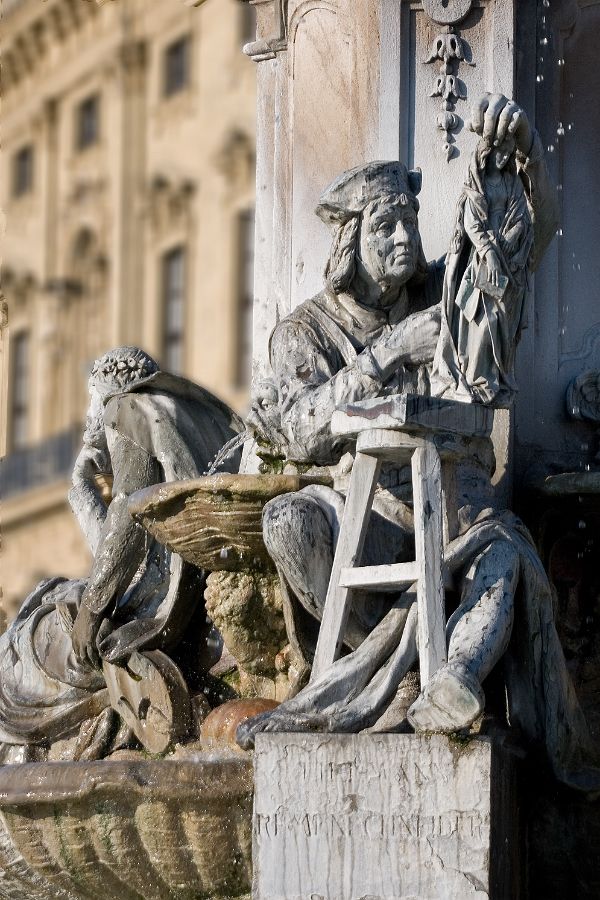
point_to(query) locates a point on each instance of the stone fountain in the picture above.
(127, 829)
(131, 826)
(215, 523)
(84, 812)
(341, 83)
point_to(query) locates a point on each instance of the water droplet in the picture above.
(546, 3)
(561, 61)
(582, 524)
(540, 78)
(569, 126)
(560, 130)
(559, 187)
(560, 232)
(550, 148)
(544, 42)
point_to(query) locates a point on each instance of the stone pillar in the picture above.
(129, 268)
(384, 816)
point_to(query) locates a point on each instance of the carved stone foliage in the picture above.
(583, 396)
(583, 399)
(236, 160)
(449, 50)
(57, 21)
(169, 203)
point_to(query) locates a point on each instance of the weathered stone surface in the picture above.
(127, 830)
(248, 611)
(388, 817)
(69, 661)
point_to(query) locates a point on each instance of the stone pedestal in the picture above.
(384, 817)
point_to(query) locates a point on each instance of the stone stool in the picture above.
(433, 434)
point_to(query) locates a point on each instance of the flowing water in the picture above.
(227, 451)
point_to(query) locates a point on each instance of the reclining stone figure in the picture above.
(143, 427)
(372, 332)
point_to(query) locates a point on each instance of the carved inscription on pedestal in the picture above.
(378, 816)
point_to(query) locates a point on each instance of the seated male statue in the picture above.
(143, 427)
(371, 332)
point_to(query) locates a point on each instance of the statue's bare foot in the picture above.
(452, 700)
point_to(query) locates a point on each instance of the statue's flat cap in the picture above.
(351, 191)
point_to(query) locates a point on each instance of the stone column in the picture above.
(132, 69)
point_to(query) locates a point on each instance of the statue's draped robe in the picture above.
(175, 429)
(321, 360)
(479, 333)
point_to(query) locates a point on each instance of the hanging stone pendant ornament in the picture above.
(449, 49)
(447, 12)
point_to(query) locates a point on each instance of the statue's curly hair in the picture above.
(123, 366)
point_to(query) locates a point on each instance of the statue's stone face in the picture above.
(95, 434)
(389, 242)
(503, 153)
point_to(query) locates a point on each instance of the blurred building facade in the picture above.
(127, 184)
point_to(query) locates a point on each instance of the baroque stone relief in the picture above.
(450, 49)
(583, 400)
(272, 31)
(71, 638)
(372, 332)
(169, 203)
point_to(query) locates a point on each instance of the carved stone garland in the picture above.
(449, 49)
(583, 400)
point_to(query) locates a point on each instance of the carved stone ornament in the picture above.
(583, 401)
(583, 396)
(274, 39)
(449, 49)
(447, 12)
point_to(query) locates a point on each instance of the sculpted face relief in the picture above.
(388, 248)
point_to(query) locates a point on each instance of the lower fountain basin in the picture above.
(178, 829)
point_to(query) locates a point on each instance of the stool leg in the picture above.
(427, 497)
(449, 501)
(363, 480)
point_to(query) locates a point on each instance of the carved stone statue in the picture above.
(486, 281)
(58, 659)
(372, 332)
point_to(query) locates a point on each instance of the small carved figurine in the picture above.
(485, 282)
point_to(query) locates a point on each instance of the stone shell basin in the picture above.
(215, 521)
(177, 829)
